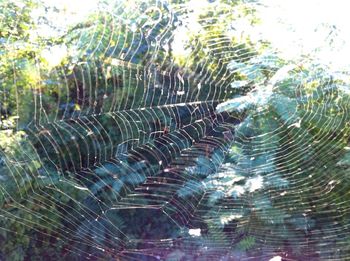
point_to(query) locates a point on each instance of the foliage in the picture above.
(126, 144)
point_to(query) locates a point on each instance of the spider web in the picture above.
(228, 155)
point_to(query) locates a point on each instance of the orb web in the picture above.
(167, 134)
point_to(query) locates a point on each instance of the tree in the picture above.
(128, 149)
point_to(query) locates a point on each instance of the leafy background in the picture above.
(167, 131)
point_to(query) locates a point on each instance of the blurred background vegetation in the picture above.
(177, 104)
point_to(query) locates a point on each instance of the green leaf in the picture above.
(345, 160)
(246, 243)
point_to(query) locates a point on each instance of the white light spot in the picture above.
(81, 188)
(195, 232)
(133, 27)
(54, 55)
(254, 183)
(276, 258)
